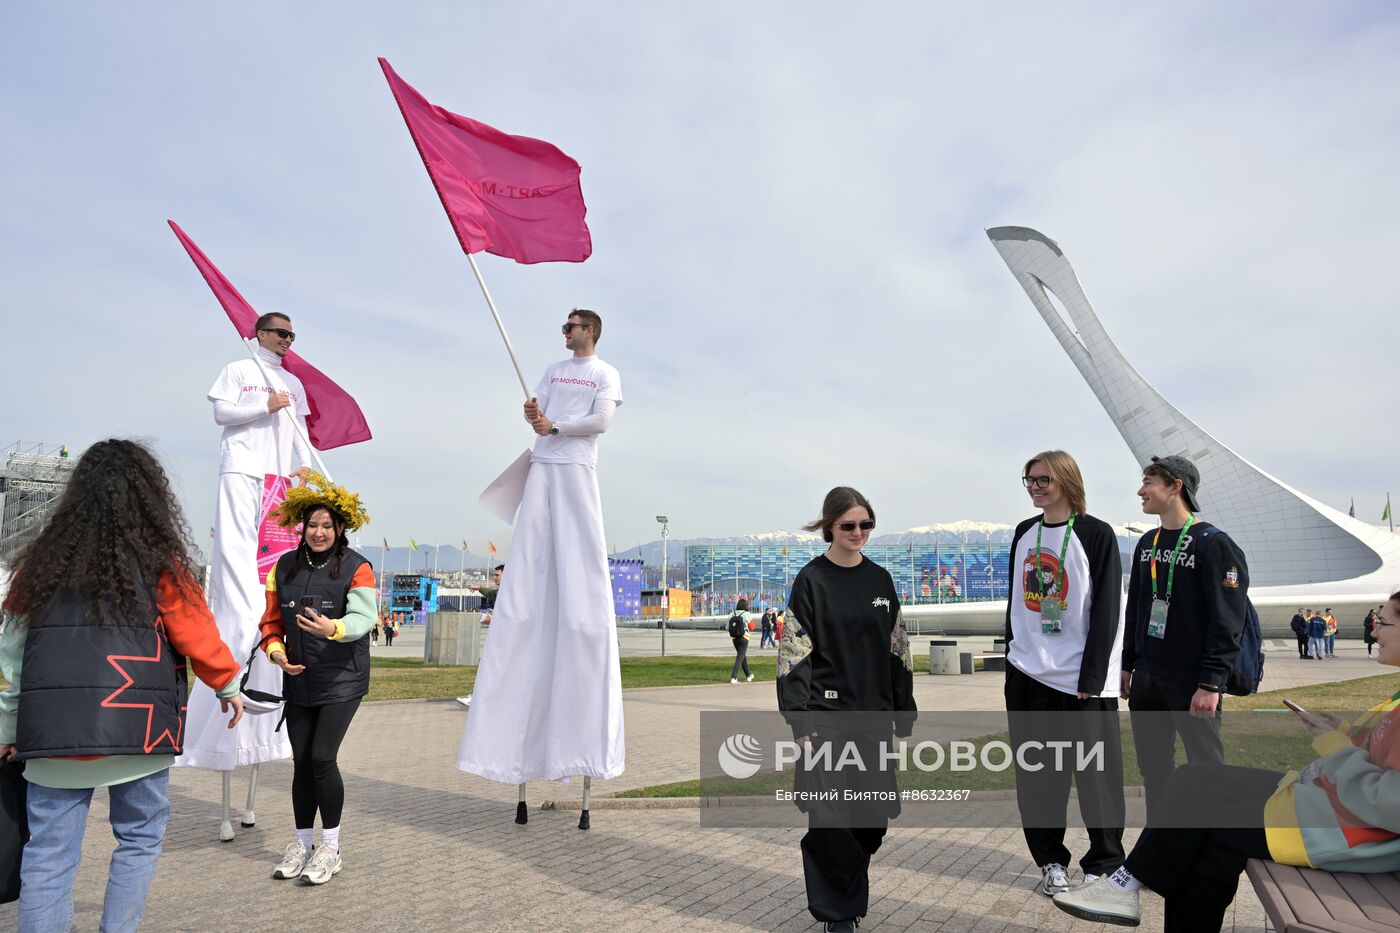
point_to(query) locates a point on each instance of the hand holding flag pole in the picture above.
(251, 346)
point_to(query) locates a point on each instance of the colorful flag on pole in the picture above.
(491, 547)
(1352, 511)
(413, 544)
(465, 549)
(386, 544)
(1385, 516)
(513, 196)
(335, 419)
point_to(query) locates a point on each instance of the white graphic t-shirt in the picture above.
(567, 392)
(266, 443)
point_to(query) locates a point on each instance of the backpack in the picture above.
(1248, 672)
(736, 625)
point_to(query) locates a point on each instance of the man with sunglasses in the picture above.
(258, 438)
(547, 702)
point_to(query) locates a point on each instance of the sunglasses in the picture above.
(867, 525)
(280, 332)
(570, 326)
(1039, 482)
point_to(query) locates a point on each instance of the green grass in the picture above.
(1273, 741)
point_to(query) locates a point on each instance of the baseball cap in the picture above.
(1186, 471)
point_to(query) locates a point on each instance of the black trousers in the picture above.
(1040, 713)
(1160, 710)
(1302, 645)
(741, 657)
(1212, 822)
(836, 867)
(316, 733)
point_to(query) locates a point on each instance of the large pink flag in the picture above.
(336, 419)
(510, 195)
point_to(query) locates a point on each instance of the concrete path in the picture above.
(427, 848)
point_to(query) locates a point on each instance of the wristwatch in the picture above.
(554, 429)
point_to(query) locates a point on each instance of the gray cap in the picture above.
(1186, 471)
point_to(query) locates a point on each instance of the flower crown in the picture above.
(317, 493)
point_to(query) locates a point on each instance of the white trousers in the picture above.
(238, 601)
(548, 696)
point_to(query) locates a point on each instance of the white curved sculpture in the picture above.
(1298, 548)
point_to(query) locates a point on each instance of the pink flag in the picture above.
(510, 195)
(335, 418)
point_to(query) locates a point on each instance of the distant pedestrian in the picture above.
(766, 624)
(1329, 621)
(1368, 630)
(390, 630)
(739, 634)
(374, 632)
(1299, 625)
(1317, 632)
(778, 625)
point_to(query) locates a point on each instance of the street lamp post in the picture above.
(665, 590)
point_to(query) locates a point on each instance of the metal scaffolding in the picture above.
(32, 479)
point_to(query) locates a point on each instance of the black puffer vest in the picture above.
(90, 689)
(336, 671)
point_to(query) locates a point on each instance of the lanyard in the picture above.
(1171, 573)
(1064, 549)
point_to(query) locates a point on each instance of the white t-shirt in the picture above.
(567, 392)
(264, 444)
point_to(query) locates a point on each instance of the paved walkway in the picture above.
(427, 848)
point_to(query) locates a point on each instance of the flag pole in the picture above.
(291, 412)
(499, 326)
(1390, 516)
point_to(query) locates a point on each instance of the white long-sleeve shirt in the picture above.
(254, 441)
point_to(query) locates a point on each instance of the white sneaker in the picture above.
(1090, 877)
(324, 865)
(749, 679)
(1054, 879)
(1101, 902)
(293, 863)
(466, 700)
(733, 680)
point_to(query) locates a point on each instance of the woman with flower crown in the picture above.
(320, 609)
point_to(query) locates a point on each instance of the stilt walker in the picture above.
(547, 702)
(262, 407)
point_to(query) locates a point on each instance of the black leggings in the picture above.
(316, 733)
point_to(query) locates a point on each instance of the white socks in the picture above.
(304, 837)
(330, 836)
(1123, 880)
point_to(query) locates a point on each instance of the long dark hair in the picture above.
(342, 542)
(114, 532)
(837, 503)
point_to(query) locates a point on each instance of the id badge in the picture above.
(1050, 611)
(1049, 626)
(1157, 619)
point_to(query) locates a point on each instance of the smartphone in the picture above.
(307, 602)
(1294, 706)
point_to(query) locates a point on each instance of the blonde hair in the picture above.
(1065, 472)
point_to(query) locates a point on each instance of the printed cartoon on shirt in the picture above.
(1051, 580)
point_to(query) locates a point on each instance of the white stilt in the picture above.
(522, 814)
(249, 817)
(587, 790)
(226, 827)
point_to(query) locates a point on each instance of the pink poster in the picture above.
(273, 540)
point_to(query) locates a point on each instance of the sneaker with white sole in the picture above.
(733, 680)
(293, 863)
(466, 700)
(1101, 902)
(1054, 879)
(748, 679)
(324, 865)
(1090, 877)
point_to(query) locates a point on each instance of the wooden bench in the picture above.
(1305, 900)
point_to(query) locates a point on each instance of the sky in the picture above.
(787, 204)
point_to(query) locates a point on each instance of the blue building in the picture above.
(413, 593)
(626, 587)
(717, 575)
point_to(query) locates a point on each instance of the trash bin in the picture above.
(943, 657)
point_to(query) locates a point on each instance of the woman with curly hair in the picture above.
(103, 612)
(320, 610)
